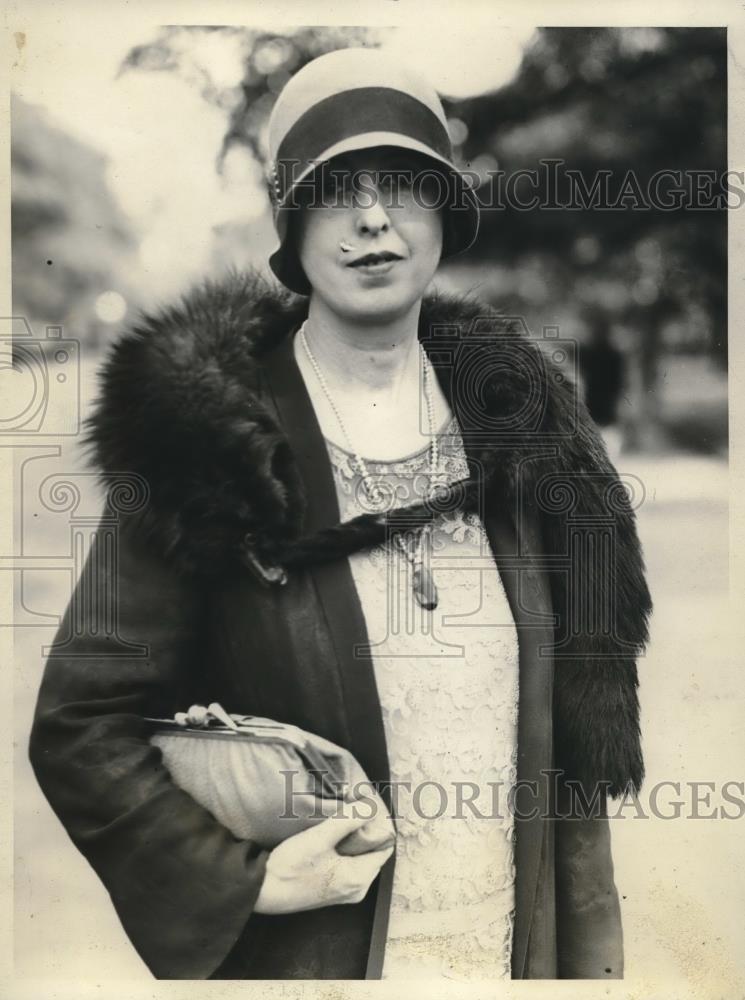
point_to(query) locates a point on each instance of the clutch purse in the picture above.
(266, 780)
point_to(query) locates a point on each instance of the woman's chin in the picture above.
(373, 300)
(379, 307)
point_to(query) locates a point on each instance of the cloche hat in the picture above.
(353, 99)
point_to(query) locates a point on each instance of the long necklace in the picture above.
(422, 581)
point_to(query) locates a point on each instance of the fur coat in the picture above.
(229, 495)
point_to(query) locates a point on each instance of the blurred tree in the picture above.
(267, 61)
(70, 242)
(627, 103)
(631, 102)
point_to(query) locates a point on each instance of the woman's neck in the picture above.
(364, 356)
(374, 377)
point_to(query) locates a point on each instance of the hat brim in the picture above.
(463, 212)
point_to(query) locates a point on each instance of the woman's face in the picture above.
(360, 204)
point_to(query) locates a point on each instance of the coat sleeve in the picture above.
(183, 886)
(588, 913)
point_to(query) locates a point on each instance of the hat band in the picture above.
(349, 113)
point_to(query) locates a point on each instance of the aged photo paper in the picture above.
(606, 149)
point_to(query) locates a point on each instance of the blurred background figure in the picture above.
(143, 166)
(602, 370)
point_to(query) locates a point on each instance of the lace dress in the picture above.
(448, 685)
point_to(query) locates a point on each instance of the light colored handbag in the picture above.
(266, 780)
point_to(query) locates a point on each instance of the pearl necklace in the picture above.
(422, 582)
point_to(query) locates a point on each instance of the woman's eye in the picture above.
(395, 187)
(396, 180)
(330, 191)
(334, 188)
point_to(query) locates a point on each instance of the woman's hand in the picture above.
(305, 871)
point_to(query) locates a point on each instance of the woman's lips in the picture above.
(382, 267)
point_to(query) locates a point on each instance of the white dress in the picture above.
(448, 686)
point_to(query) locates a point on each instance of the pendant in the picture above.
(423, 585)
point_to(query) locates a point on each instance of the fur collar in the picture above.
(181, 405)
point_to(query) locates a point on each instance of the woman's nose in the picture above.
(371, 215)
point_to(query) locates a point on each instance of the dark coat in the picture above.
(217, 475)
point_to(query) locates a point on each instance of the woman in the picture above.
(368, 512)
